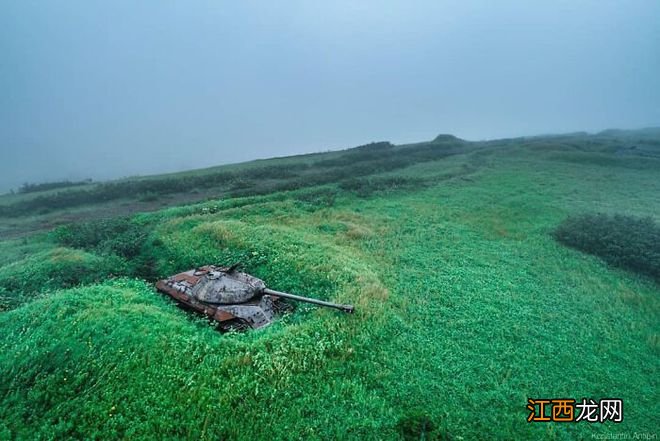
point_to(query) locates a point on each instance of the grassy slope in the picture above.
(465, 308)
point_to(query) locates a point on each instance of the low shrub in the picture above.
(120, 236)
(417, 425)
(59, 268)
(628, 242)
(45, 186)
(318, 198)
(123, 237)
(148, 197)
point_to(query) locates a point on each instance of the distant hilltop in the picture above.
(445, 137)
(644, 132)
(628, 138)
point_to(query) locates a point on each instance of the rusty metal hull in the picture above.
(256, 312)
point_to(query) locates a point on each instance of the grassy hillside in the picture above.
(466, 305)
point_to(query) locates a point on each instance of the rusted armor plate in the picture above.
(256, 315)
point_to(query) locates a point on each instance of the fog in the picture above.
(109, 89)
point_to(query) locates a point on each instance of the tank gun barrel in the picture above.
(345, 308)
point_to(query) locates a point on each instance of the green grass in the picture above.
(465, 307)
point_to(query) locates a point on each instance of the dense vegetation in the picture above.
(626, 241)
(360, 161)
(466, 305)
(45, 186)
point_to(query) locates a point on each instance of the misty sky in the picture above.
(117, 88)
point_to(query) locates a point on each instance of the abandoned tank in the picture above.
(236, 300)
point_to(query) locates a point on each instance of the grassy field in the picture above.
(466, 306)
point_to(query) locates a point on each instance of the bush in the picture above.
(122, 237)
(45, 186)
(319, 198)
(119, 236)
(148, 197)
(628, 242)
(417, 425)
(24, 280)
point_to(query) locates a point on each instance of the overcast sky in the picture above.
(117, 88)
